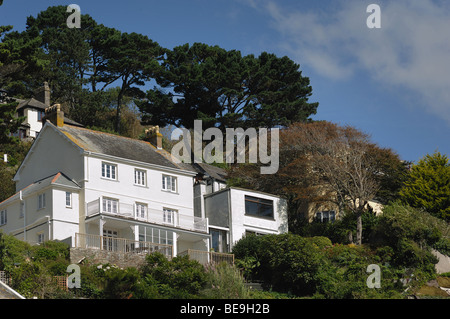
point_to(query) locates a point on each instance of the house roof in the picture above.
(119, 146)
(55, 179)
(38, 105)
(33, 103)
(215, 172)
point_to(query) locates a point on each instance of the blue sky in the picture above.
(392, 83)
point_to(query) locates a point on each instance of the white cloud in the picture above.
(410, 52)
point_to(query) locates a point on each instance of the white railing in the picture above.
(171, 218)
(205, 257)
(121, 245)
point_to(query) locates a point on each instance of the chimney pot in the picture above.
(154, 136)
(54, 115)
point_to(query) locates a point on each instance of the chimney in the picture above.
(154, 136)
(54, 115)
(43, 94)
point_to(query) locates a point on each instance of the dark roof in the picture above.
(33, 103)
(119, 146)
(215, 172)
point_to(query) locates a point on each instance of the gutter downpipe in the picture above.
(22, 206)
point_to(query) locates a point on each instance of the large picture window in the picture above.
(258, 207)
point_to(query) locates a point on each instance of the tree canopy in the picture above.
(428, 185)
(322, 162)
(225, 89)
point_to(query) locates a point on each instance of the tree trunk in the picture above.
(118, 114)
(359, 227)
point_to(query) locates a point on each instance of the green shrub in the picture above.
(176, 278)
(224, 281)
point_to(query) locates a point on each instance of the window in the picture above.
(169, 216)
(169, 183)
(110, 240)
(40, 115)
(326, 216)
(258, 207)
(141, 210)
(68, 199)
(3, 217)
(109, 171)
(41, 238)
(110, 205)
(219, 240)
(41, 201)
(139, 177)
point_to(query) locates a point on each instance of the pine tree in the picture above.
(428, 186)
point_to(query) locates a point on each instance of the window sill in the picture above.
(260, 217)
(141, 186)
(109, 179)
(166, 191)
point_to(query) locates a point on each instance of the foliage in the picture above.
(324, 164)
(398, 222)
(224, 281)
(32, 267)
(225, 89)
(314, 267)
(176, 278)
(428, 186)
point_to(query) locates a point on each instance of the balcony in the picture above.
(120, 245)
(145, 214)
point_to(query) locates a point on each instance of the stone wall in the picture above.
(97, 256)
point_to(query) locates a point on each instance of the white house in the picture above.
(234, 212)
(99, 190)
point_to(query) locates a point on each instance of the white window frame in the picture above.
(110, 205)
(169, 215)
(3, 217)
(140, 177)
(169, 183)
(109, 171)
(68, 199)
(141, 210)
(331, 216)
(41, 201)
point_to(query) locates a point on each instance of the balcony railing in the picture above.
(205, 257)
(150, 215)
(121, 245)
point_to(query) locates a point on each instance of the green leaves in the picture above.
(428, 186)
(226, 89)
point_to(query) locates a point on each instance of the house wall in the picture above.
(226, 210)
(240, 223)
(65, 219)
(32, 120)
(127, 192)
(35, 219)
(55, 220)
(217, 209)
(49, 155)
